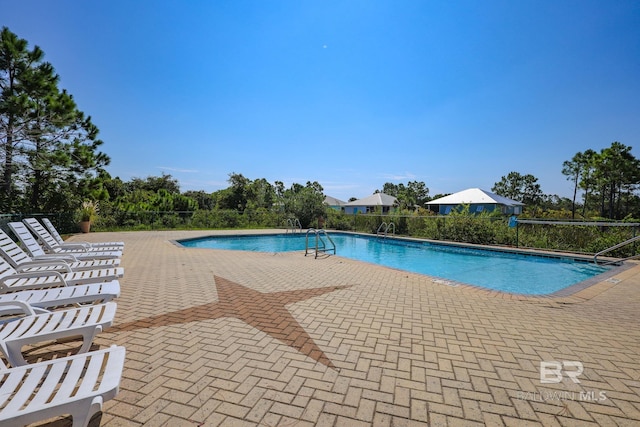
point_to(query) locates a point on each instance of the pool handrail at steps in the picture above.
(384, 228)
(619, 245)
(294, 225)
(321, 245)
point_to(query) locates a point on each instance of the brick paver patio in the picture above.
(279, 339)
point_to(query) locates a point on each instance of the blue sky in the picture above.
(351, 94)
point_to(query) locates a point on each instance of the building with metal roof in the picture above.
(334, 203)
(478, 200)
(371, 204)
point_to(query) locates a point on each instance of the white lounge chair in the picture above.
(66, 295)
(36, 325)
(50, 244)
(37, 253)
(11, 280)
(32, 246)
(76, 385)
(21, 261)
(54, 233)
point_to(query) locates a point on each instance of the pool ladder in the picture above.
(384, 228)
(294, 225)
(323, 242)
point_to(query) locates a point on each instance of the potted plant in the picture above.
(87, 213)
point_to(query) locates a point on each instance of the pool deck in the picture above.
(229, 338)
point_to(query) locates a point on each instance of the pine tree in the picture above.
(18, 67)
(49, 149)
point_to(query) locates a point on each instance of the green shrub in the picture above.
(336, 220)
(463, 226)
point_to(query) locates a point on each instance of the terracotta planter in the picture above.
(85, 226)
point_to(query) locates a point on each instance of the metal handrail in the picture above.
(393, 226)
(319, 241)
(619, 245)
(386, 228)
(293, 225)
(580, 223)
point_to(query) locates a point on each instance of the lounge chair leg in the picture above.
(87, 339)
(14, 353)
(84, 414)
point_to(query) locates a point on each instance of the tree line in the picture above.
(607, 182)
(50, 161)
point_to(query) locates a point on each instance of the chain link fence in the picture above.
(578, 237)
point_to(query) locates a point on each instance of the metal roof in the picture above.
(474, 196)
(377, 199)
(332, 201)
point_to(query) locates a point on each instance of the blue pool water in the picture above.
(503, 271)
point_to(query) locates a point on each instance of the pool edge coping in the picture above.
(578, 292)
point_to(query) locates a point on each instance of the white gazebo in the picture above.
(478, 201)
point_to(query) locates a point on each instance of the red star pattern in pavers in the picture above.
(266, 312)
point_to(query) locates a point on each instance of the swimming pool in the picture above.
(498, 270)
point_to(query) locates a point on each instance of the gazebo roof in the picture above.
(474, 196)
